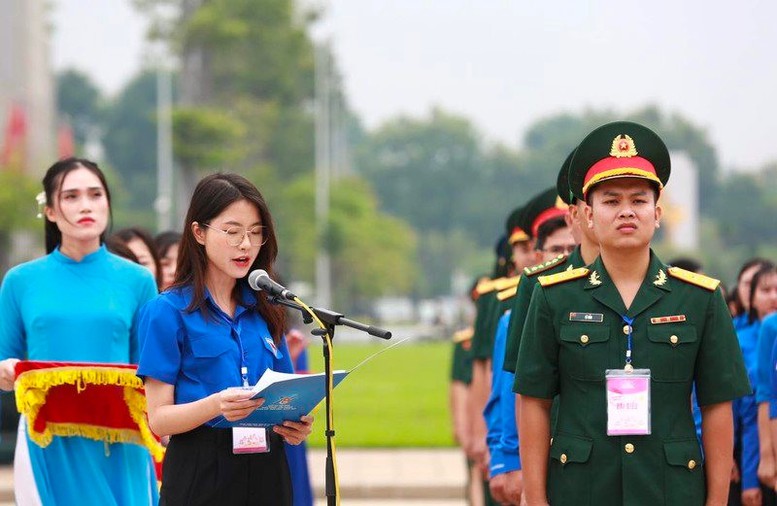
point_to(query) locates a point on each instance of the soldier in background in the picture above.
(621, 342)
(460, 380)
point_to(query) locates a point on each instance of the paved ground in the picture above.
(410, 477)
(392, 477)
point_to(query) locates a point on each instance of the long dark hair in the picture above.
(756, 261)
(52, 182)
(765, 270)
(212, 195)
(130, 233)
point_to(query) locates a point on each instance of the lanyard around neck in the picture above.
(628, 327)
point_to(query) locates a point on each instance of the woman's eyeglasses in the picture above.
(236, 234)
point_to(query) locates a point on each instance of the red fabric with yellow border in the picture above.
(104, 402)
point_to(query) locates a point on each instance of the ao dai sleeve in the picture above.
(12, 334)
(146, 291)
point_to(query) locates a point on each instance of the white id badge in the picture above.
(250, 440)
(628, 402)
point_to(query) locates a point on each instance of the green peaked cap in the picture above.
(617, 150)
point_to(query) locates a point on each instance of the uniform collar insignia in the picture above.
(594, 280)
(660, 278)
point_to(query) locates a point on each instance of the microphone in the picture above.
(260, 280)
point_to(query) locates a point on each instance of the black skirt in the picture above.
(200, 469)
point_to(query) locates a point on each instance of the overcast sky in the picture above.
(506, 63)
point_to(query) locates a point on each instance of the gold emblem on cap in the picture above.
(623, 147)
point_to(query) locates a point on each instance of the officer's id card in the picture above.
(628, 402)
(250, 440)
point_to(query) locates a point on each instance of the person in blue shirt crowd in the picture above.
(544, 217)
(208, 333)
(78, 303)
(297, 454)
(767, 461)
(140, 242)
(741, 291)
(762, 301)
(166, 244)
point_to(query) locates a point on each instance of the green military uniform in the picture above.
(566, 356)
(530, 275)
(487, 305)
(461, 363)
(520, 303)
(578, 327)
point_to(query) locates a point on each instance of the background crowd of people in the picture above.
(95, 297)
(483, 364)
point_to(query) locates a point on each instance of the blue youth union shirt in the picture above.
(200, 354)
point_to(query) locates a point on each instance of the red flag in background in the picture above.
(66, 144)
(14, 143)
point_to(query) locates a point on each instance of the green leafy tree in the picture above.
(130, 141)
(80, 102)
(18, 208)
(206, 137)
(372, 254)
(258, 64)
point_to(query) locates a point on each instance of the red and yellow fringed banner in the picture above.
(104, 402)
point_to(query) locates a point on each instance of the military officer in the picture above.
(621, 342)
(584, 254)
(543, 218)
(486, 318)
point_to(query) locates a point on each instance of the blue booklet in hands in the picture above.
(286, 397)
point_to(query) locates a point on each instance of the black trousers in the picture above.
(201, 470)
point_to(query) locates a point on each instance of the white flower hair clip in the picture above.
(41, 200)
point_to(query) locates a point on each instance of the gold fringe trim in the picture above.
(136, 402)
(32, 387)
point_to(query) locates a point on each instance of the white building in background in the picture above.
(26, 82)
(680, 201)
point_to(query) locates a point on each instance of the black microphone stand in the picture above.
(330, 319)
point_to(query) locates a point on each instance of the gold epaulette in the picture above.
(537, 269)
(561, 277)
(505, 283)
(485, 286)
(506, 294)
(701, 280)
(463, 335)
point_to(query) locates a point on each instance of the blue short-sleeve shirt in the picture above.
(200, 354)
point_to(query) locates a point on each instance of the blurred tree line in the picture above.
(428, 196)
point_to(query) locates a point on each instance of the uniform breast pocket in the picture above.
(684, 473)
(584, 351)
(673, 350)
(570, 472)
(211, 359)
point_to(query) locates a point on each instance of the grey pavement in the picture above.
(375, 477)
